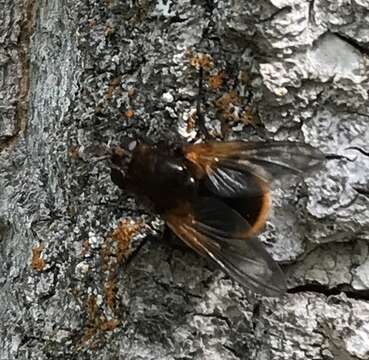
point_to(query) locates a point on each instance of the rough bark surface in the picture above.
(83, 272)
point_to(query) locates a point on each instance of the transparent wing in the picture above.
(232, 169)
(219, 233)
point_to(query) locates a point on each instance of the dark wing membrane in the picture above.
(227, 182)
(216, 231)
(233, 169)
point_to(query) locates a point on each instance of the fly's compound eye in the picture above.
(119, 165)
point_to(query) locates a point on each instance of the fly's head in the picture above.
(121, 157)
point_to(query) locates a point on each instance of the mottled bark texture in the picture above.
(84, 271)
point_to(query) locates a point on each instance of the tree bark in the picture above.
(85, 270)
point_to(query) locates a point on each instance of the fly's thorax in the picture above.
(161, 177)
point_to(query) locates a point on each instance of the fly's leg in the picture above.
(199, 102)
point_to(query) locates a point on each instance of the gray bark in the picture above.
(84, 273)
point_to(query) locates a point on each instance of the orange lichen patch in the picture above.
(96, 323)
(123, 235)
(92, 306)
(231, 107)
(88, 334)
(130, 113)
(113, 253)
(112, 86)
(92, 23)
(226, 103)
(191, 121)
(216, 80)
(109, 325)
(85, 247)
(38, 263)
(111, 288)
(201, 60)
(247, 116)
(93, 319)
(109, 30)
(73, 152)
(227, 99)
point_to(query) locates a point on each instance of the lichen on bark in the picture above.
(84, 271)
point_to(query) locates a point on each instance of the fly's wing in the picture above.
(219, 233)
(233, 169)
